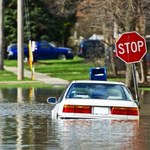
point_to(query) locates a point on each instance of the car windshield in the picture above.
(98, 91)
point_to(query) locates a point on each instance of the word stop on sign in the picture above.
(128, 47)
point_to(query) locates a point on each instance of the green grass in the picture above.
(75, 69)
(10, 63)
(145, 88)
(25, 85)
(65, 69)
(69, 70)
(7, 76)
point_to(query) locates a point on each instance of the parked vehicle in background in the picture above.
(12, 51)
(46, 50)
(95, 99)
(43, 51)
(147, 56)
(91, 48)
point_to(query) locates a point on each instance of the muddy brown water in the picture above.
(26, 124)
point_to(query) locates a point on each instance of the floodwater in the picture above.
(26, 124)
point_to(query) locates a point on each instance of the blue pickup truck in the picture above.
(43, 51)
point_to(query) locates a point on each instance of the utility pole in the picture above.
(1, 35)
(20, 39)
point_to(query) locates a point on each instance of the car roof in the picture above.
(15, 44)
(97, 81)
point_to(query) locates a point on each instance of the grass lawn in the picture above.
(7, 76)
(65, 69)
(69, 70)
(75, 69)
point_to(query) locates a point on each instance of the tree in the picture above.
(63, 8)
(100, 16)
(132, 18)
(129, 15)
(39, 21)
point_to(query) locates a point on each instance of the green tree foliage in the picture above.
(10, 21)
(39, 23)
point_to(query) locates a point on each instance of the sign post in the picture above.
(135, 82)
(131, 48)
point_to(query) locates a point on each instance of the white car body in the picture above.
(84, 106)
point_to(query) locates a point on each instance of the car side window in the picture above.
(44, 45)
(14, 46)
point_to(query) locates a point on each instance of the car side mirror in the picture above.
(51, 100)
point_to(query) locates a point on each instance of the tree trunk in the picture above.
(129, 76)
(142, 72)
(140, 28)
(1, 35)
(113, 64)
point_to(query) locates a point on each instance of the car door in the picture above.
(43, 51)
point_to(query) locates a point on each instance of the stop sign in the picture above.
(131, 47)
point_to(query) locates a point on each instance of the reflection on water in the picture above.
(26, 124)
(36, 132)
(97, 134)
(145, 103)
(24, 132)
(28, 94)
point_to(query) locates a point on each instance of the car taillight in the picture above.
(125, 111)
(77, 109)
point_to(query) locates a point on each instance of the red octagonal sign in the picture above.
(131, 47)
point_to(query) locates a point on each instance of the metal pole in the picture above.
(20, 39)
(135, 82)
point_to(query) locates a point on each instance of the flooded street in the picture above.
(26, 124)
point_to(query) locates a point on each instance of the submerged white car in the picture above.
(95, 99)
